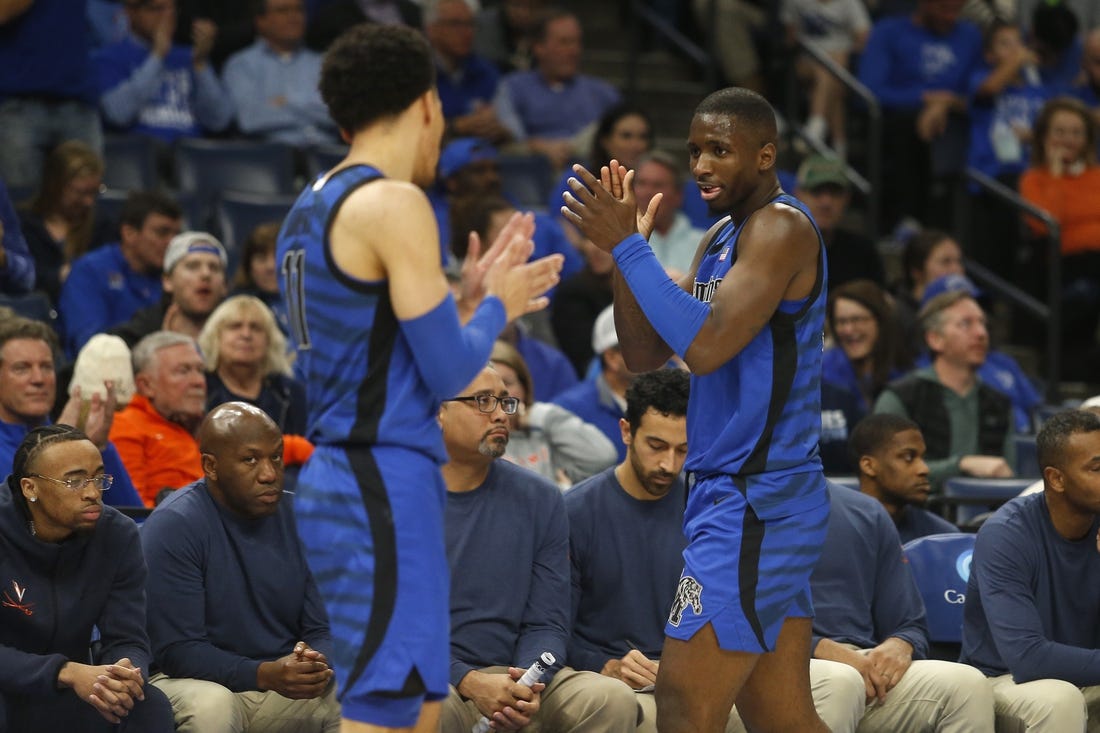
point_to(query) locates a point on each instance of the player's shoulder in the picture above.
(780, 220)
(383, 206)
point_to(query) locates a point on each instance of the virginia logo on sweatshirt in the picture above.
(17, 602)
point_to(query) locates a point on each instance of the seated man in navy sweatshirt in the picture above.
(239, 633)
(627, 523)
(507, 546)
(869, 615)
(1033, 601)
(888, 452)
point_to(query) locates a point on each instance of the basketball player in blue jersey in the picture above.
(380, 345)
(748, 321)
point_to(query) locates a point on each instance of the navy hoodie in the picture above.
(53, 594)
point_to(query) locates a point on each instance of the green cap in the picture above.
(817, 170)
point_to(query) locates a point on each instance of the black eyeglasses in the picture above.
(102, 482)
(488, 402)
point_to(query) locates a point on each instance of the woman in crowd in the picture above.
(258, 275)
(72, 565)
(60, 223)
(546, 438)
(246, 361)
(1064, 180)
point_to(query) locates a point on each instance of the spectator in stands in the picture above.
(926, 256)
(28, 389)
(48, 92)
(999, 370)
(239, 632)
(732, 24)
(624, 132)
(552, 109)
(918, 67)
(822, 184)
(257, 274)
(150, 86)
(674, 238)
(1055, 36)
(1064, 180)
(333, 17)
(466, 81)
(246, 361)
(503, 33)
(16, 263)
(232, 24)
(869, 614)
(1032, 598)
(578, 302)
(273, 82)
(155, 433)
(108, 285)
(546, 438)
(837, 29)
(601, 400)
(967, 426)
(495, 510)
(888, 451)
(863, 357)
(193, 281)
(60, 221)
(627, 522)
(76, 568)
(1006, 95)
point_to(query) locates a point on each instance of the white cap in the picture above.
(188, 242)
(603, 331)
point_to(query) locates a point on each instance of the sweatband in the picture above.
(448, 354)
(676, 315)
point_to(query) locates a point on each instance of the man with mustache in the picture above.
(888, 451)
(507, 547)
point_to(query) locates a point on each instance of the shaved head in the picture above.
(226, 423)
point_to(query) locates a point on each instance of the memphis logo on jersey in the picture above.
(705, 291)
(689, 593)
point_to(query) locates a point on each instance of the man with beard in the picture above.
(626, 522)
(507, 547)
(888, 451)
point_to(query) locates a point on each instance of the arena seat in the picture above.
(208, 167)
(130, 163)
(966, 496)
(940, 564)
(238, 213)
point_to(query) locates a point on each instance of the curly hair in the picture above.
(664, 390)
(373, 72)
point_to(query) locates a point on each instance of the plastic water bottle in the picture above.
(533, 674)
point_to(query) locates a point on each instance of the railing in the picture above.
(870, 186)
(640, 12)
(1051, 311)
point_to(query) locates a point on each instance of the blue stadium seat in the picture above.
(526, 179)
(35, 305)
(109, 203)
(237, 214)
(208, 167)
(941, 566)
(130, 163)
(966, 497)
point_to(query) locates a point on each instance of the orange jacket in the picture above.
(1071, 200)
(156, 452)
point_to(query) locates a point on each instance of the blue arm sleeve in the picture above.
(448, 354)
(675, 315)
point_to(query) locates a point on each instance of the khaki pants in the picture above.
(1045, 706)
(207, 707)
(934, 696)
(837, 690)
(578, 702)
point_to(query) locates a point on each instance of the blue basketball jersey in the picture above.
(761, 411)
(362, 381)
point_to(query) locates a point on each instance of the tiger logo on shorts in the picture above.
(688, 593)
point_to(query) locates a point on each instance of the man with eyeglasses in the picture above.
(68, 564)
(508, 551)
(28, 389)
(967, 426)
